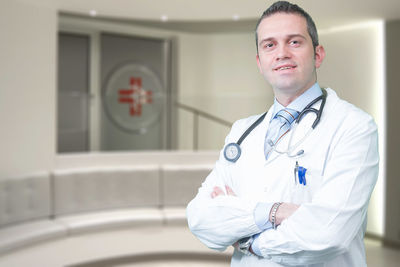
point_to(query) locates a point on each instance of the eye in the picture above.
(268, 46)
(294, 43)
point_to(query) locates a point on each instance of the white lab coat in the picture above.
(341, 157)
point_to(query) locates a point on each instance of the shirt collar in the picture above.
(300, 102)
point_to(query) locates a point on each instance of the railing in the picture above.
(199, 113)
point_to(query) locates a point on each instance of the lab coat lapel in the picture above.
(260, 134)
(303, 128)
(267, 120)
(298, 131)
(308, 120)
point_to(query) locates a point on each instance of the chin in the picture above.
(286, 87)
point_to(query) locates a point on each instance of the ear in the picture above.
(319, 55)
(258, 63)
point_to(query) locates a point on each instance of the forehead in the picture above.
(282, 24)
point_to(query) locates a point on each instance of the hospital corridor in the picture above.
(114, 113)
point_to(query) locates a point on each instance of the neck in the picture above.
(285, 100)
(285, 97)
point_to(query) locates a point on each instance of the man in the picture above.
(291, 193)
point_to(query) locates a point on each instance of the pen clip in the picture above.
(296, 170)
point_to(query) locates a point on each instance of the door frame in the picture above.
(93, 28)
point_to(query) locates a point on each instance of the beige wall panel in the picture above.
(392, 222)
(353, 67)
(28, 80)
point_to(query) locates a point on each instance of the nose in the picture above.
(282, 52)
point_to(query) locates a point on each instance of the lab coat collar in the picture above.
(303, 127)
(300, 102)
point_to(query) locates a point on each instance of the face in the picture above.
(286, 57)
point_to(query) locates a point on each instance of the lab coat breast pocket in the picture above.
(307, 179)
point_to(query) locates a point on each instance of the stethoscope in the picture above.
(232, 151)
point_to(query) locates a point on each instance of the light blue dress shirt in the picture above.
(262, 210)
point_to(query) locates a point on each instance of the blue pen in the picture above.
(300, 173)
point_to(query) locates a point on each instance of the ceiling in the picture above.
(326, 13)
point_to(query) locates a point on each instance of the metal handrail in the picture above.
(199, 113)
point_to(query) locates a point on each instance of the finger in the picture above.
(236, 245)
(229, 191)
(217, 192)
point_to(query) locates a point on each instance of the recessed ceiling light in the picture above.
(93, 13)
(164, 18)
(236, 17)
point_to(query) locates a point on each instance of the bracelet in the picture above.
(273, 213)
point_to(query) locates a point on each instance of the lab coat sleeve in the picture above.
(220, 222)
(324, 228)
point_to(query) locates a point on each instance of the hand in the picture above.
(236, 245)
(284, 211)
(217, 191)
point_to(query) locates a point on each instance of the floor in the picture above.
(177, 264)
(377, 256)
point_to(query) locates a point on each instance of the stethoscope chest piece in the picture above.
(232, 152)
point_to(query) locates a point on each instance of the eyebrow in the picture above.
(290, 36)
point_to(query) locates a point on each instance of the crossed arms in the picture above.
(284, 211)
(310, 233)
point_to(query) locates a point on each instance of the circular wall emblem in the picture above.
(133, 97)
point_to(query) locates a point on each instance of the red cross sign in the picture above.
(135, 96)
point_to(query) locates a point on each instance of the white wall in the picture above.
(218, 74)
(27, 86)
(354, 67)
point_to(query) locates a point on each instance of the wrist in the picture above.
(273, 215)
(255, 245)
(251, 250)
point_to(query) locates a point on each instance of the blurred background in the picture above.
(84, 84)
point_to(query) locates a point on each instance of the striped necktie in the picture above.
(279, 126)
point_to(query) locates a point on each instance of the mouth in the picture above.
(285, 67)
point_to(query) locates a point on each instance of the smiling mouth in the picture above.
(285, 68)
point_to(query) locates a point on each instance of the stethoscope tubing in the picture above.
(251, 128)
(309, 108)
(304, 112)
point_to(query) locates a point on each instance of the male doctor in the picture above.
(290, 194)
